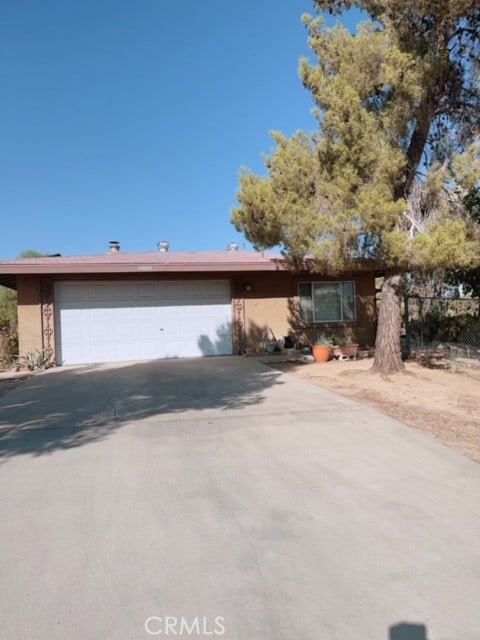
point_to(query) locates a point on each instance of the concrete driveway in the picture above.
(219, 498)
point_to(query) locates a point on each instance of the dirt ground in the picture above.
(443, 403)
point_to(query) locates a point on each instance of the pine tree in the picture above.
(396, 151)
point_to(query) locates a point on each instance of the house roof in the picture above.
(155, 262)
(161, 262)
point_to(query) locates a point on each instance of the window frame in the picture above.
(341, 321)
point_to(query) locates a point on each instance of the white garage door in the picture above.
(139, 320)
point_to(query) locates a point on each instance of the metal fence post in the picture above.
(407, 326)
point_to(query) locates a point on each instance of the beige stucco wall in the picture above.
(266, 305)
(271, 305)
(29, 314)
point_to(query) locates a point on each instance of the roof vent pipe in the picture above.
(232, 246)
(163, 246)
(114, 246)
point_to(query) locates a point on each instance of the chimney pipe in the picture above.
(163, 246)
(114, 246)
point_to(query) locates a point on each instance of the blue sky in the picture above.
(129, 120)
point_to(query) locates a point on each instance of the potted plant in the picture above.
(344, 349)
(322, 348)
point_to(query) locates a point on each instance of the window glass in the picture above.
(305, 294)
(327, 302)
(348, 301)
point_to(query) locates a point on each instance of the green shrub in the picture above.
(8, 345)
(36, 360)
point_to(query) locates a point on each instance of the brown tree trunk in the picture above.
(388, 352)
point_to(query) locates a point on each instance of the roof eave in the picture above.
(47, 269)
(9, 281)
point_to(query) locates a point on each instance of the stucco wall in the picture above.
(265, 298)
(29, 314)
(270, 304)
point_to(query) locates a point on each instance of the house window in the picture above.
(327, 302)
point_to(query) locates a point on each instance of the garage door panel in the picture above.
(173, 290)
(75, 291)
(125, 291)
(75, 327)
(99, 292)
(148, 350)
(215, 289)
(148, 290)
(104, 321)
(103, 333)
(124, 331)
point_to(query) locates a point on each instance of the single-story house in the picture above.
(139, 306)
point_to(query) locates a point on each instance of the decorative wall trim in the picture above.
(47, 312)
(239, 324)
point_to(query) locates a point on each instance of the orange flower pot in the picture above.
(322, 352)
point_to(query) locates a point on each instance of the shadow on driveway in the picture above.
(66, 408)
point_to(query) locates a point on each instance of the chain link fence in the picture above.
(444, 328)
(435, 320)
